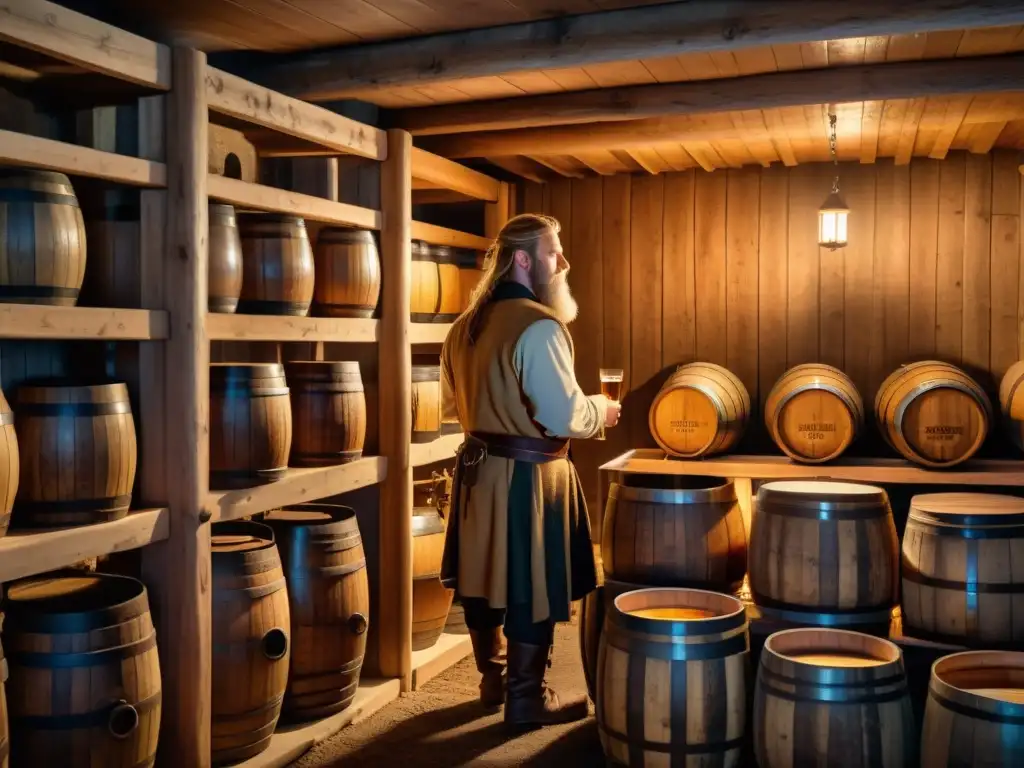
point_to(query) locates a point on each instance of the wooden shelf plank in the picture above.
(978, 472)
(224, 327)
(38, 321)
(238, 98)
(432, 233)
(447, 174)
(26, 553)
(297, 486)
(85, 42)
(446, 652)
(442, 449)
(47, 154)
(262, 198)
(428, 333)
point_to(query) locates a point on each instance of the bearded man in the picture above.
(518, 549)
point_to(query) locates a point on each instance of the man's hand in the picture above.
(612, 413)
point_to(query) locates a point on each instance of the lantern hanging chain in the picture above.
(832, 149)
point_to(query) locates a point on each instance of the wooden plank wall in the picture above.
(725, 267)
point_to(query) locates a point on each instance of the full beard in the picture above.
(557, 297)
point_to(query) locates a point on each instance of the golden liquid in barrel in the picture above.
(1013, 695)
(834, 659)
(672, 614)
(612, 389)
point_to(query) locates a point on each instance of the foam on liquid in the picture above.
(672, 614)
(834, 659)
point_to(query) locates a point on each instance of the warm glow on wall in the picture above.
(833, 213)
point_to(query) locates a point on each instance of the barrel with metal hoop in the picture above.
(431, 600)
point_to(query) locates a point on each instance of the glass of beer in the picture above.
(611, 387)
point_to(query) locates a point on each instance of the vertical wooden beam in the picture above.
(394, 384)
(498, 212)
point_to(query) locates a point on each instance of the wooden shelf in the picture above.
(225, 327)
(37, 321)
(258, 197)
(442, 449)
(978, 472)
(297, 486)
(432, 661)
(35, 152)
(428, 333)
(432, 233)
(26, 553)
(447, 174)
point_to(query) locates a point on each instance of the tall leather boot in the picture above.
(487, 651)
(528, 701)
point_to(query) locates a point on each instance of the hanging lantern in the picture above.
(833, 212)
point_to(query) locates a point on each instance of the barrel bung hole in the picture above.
(124, 719)
(275, 644)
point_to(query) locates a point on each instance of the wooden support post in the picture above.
(498, 212)
(395, 411)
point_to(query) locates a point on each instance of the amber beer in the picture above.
(611, 387)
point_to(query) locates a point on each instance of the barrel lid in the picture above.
(321, 366)
(240, 536)
(221, 209)
(967, 503)
(823, 490)
(255, 218)
(222, 372)
(309, 514)
(73, 596)
(345, 235)
(789, 645)
(71, 390)
(18, 174)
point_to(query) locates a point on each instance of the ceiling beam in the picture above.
(903, 80)
(620, 35)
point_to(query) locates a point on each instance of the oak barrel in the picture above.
(974, 714)
(933, 413)
(814, 412)
(42, 238)
(251, 639)
(671, 678)
(425, 291)
(329, 600)
(1011, 403)
(10, 464)
(431, 601)
(5, 731)
(963, 568)
(112, 225)
(329, 416)
(250, 424)
(674, 531)
(85, 685)
(348, 276)
(826, 548)
(831, 697)
(78, 453)
(471, 271)
(426, 403)
(700, 410)
(449, 304)
(277, 265)
(225, 268)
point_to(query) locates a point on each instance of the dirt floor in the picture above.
(444, 725)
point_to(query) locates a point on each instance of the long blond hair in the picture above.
(522, 232)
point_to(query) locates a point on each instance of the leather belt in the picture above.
(536, 450)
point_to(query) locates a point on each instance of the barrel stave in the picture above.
(10, 463)
(225, 267)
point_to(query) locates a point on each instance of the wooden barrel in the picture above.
(250, 424)
(85, 685)
(963, 569)
(328, 406)
(674, 531)
(471, 270)
(430, 599)
(425, 293)
(329, 601)
(455, 624)
(449, 305)
(347, 273)
(225, 268)
(974, 714)
(112, 223)
(854, 683)
(826, 548)
(82, 480)
(426, 403)
(277, 265)
(1011, 403)
(251, 639)
(700, 410)
(933, 413)
(10, 464)
(42, 240)
(813, 413)
(671, 678)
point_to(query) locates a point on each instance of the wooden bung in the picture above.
(671, 678)
(426, 403)
(826, 549)
(1011, 403)
(10, 463)
(431, 601)
(328, 405)
(78, 452)
(813, 413)
(85, 684)
(42, 238)
(854, 682)
(251, 639)
(348, 275)
(329, 601)
(700, 410)
(963, 569)
(678, 531)
(980, 693)
(425, 288)
(933, 413)
(225, 267)
(277, 265)
(112, 221)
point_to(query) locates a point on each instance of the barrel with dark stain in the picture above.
(671, 679)
(85, 685)
(329, 601)
(974, 714)
(42, 238)
(348, 276)
(329, 416)
(250, 424)
(78, 453)
(431, 601)
(426, 403)
(425, 290)
(278, 265)
(112, 225)
(224, 281)
(251, 639)
(10, 463)
(832, 697)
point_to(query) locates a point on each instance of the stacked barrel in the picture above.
(443, 281)
(431, 600)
